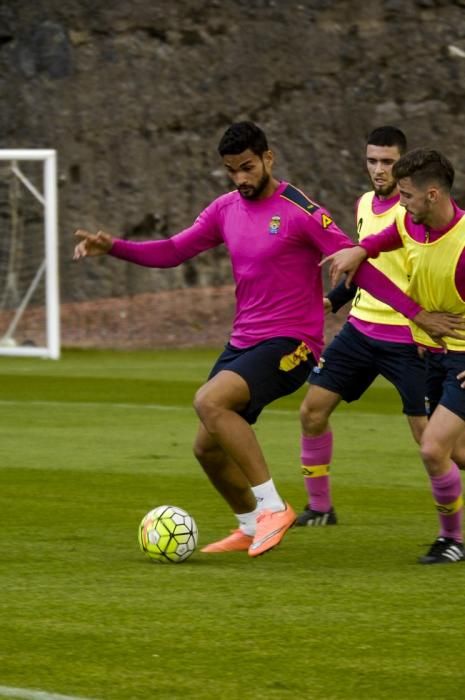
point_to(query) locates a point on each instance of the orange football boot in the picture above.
(271, 528)
(237, 541)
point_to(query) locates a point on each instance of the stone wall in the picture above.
(134, 95)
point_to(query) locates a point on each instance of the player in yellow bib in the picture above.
(375, 340)
(431, 230)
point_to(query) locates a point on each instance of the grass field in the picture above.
(90, 443)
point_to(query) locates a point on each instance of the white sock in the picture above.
(247, 522)
(267, 497)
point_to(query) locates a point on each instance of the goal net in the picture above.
(29, 296)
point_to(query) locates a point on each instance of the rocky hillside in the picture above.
(134, 95)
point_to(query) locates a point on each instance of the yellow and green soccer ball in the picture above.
(168, 534)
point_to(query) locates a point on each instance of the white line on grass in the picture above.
(25, 694)
(124, 406)
(90, 404)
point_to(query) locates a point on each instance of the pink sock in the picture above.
(447, 492)
(317, 452)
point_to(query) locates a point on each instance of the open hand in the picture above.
(345, 261)
(439, 324)
(91, 244)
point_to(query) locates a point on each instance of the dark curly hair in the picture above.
(242, 136)
(388, 136)
(425, 166)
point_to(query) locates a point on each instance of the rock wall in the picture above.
(134, 95)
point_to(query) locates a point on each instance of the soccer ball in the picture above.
(168, 534)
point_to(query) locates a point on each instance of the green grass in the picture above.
(92, 442)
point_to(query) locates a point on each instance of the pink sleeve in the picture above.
(387, 239)
(202, 235)
(330, 238)
(326, 234)
(381, 287)
(147, 253)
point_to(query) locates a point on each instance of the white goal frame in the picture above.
(49, 266)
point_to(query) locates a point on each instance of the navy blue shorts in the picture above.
(352, 361)
(272, 368)
(442, 385)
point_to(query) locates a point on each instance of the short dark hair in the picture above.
(240, 136)
(388, 136)
(425, 166)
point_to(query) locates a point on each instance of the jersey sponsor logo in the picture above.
(274, 225)
(326, 221)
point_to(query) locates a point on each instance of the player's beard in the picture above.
(421, 217)
(387, 191)
(254, 192)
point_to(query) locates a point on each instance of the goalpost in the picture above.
(29, 290)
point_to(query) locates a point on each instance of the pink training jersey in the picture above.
(275, 245)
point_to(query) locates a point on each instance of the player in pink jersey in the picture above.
(432, 231)
(275, 237)
(375, 340)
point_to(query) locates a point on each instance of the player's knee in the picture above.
(431, 451)
(200, 452)
(312, 417)
(201, 402)
(206, 408)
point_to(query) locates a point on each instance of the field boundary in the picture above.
(124, 406)
(27, 694)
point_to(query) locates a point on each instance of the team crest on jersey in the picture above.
(326, 220)
(274, 225)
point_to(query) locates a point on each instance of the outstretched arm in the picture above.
(202, 235)
(352, 261)
(147, 253)
(347, 261)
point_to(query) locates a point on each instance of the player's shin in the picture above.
(316, 455)
(447, 493)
